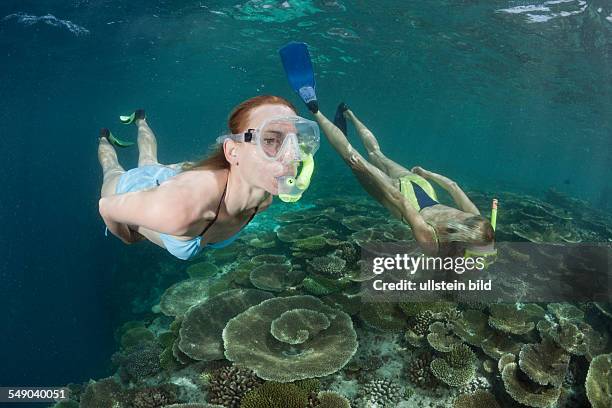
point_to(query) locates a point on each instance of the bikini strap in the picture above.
(218, 208)
(252, 216)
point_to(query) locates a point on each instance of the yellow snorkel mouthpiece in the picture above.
(290, 189)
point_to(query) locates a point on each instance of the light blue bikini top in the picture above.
(187, 249)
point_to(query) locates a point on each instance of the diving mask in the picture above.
(488, 253)
(288, 140)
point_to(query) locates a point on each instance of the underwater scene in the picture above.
(348, 203)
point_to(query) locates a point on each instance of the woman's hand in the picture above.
(134, 236)
(419, 170)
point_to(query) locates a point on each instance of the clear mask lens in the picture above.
(288, 139)
(488, 254)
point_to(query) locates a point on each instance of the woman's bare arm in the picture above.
(376, 183)
(423, 232)
(162, 209)
(460, 198)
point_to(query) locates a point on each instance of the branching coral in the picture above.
(419, 373)
(273, 395)
(328, 399)
(227, 385)
(154, 397)
(328, 265)
(348, 252)
(138, 363)
(380, 393)
(421, 322)
(455, 368)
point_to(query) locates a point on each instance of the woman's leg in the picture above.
(147, 144)
(363, 173)
(375, 155)
(111, 169)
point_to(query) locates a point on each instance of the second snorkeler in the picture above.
(439, 229)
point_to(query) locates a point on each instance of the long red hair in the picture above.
(237, 120)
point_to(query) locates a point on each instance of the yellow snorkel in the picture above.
(494, 213)
(290, 189)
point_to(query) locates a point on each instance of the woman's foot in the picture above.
(110, 138)
(136, 115)
(339, 119)
(105, 134)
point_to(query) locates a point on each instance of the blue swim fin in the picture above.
(299, 71)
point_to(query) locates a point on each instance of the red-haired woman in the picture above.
(184, 208)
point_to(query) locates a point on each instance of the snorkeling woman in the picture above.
(438, 229)
(186, 207)
(408, 194)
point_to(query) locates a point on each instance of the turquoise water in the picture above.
(501, 96)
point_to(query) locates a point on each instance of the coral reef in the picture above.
(105, 393)
(576, 338)
(455, 368)
(328, 399)
(228, 385)
(510, 319)
(453, 350)
(274, 394)
(544, 363)
(202, 270)
(249, 342)
(383, 316)
(478, 399)
(203, 324)
(599, 381)
(328, 265)
(419, 373)
(379, 393)
(154, 397)
(273, 277)
(525, 392)
(182, 295)
(441, 337)
(298, 325)
(139, 362)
